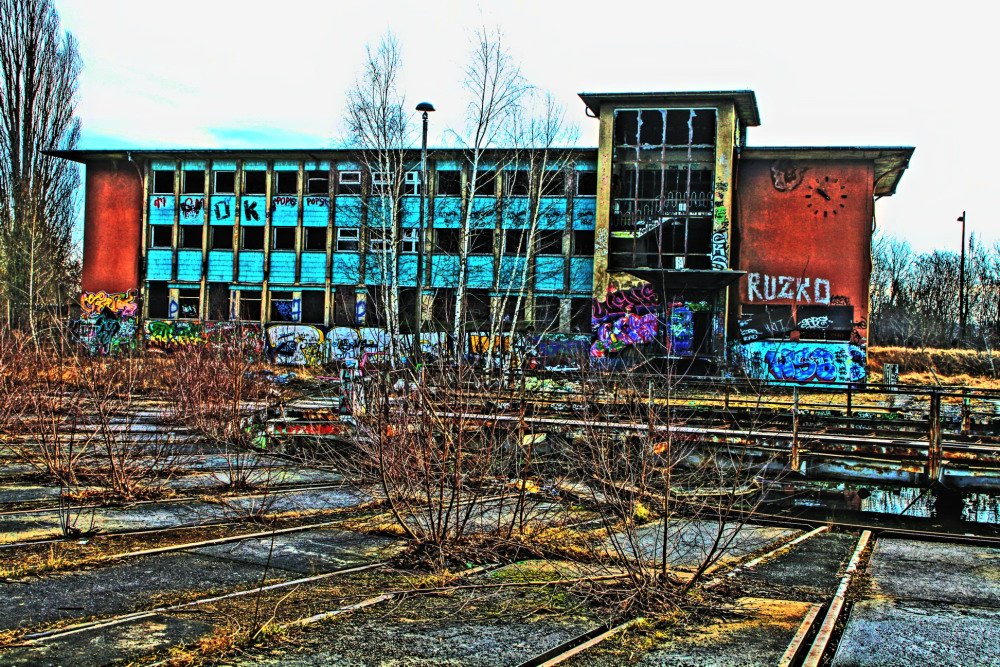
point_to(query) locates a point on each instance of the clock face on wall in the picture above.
(825, 196)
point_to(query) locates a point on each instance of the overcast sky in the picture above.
(248, 74)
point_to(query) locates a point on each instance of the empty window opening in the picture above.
(222, 237)
(250, 308)
(344, 314)
(517, 182)
(163, 182)
(407, 309)
(347, 239)
(349, 183)
(515, 242)
(651, 127)
(581, 315)
(191, 236)
(313, 307)
(315, 238)
(448, 240)
(318, 182)
(552, 183)
(379, 239)
(283, 238)
(254, 182)
(286, 182)
(161, 236)
(157, 300)
(225, 182)
(449, 182)
(481, 241)
(549, 242)
(194, 182)
(477, 309)
(285, 307)
(626, 128)
(253, 238)
(546, 313)
(188, 303)
(583, 243)
(443, 311)
(586, 183)
(218, 301)
(486, 183)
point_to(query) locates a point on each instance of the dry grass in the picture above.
(924, 364)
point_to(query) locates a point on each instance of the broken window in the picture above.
(315, 238)
(222, 237)
(188, 303)
(824, 322)
(586, 183)
(379, 239)
(581, 315)
(163, 182)
(349, 183)
(444, 307)
(481, 241)
(486, 183)
(477, 309)
(286, 182)
(191, 236)
(517, 182)
(194, 182)
(449, 182)
(761, 322)
(285, 307)
(583, 243)
(225, 182)
(254, 182)
(161, 236)
(283, 238)
(218, 301)
(344, 314)
(157, 300)
(382, 182)
(250, 308)
(549, 242)
(552, 183)
(253, 238)
(318, 182)
(347, 239)
(313, 307)
(448, 240)
(546, 313)
(515, 242)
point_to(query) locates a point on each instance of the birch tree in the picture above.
(39, 70)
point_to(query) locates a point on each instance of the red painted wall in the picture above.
(805, 220)
(112, 227)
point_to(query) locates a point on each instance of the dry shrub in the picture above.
(942, 362)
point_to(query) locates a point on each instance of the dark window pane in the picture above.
(313, 303)
(481, 241)
(448, 240)
(318, 182)
(194, 182)
(218, 301)
(449, 182)
(222, 237)
(486, 183)
(549, 242)
(163, 182)
(253, 238)
(162, 236)
(225, 182)
(191, 236)
(286, 182)
(583, 243)
(250, 305)
(626, 128)
(315, 238)
(283, 238)
(651, 127)
(517, 182)
(158, 300)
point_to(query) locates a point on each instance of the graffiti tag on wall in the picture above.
(805, 361)
(763, 287)
(627, 317)
(108, 321)
(120, 303)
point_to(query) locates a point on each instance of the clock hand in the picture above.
(822, 192)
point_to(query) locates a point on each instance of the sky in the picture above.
(251, 74)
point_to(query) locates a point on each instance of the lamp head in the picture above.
(425, 107)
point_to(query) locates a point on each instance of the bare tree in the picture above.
(496, 87)
(39, 68)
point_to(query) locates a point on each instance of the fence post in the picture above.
(966, 411)
(934, 438)
(795, 429)
(850, 410)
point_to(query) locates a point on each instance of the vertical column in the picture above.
(725, 151)
(299, 229)
(237, 219)
(602, 218)
(143, 266)
(175, 236)
(265, 294)
(328, 283)
(206, 230)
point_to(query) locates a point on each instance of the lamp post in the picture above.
(961, 284)
(424, 108)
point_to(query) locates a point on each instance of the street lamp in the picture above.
(961, 283)
(424, 108)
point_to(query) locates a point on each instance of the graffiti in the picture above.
(165, 334)
(105, 332)
(840, 300)
(295, 344)
(762, 287)
(250, 210)
(288, 310)
(786, 175)
(222, 210)
(621, 301)
(805, 361)
(121, 303)
(814, 323)
(285, 201)
(173, 334)
(318, 201)
(623, 332)
(321, 428)
(191, 207)
(720, 262)
(159, 202)
(360, 310)
(681, 330)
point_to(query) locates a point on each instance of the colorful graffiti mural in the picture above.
(121, 303)
(804, 361)
(174, 334)
(108, 321)
(627, 317)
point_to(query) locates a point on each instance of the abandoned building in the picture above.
(673, 240)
